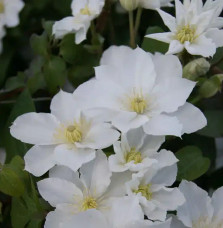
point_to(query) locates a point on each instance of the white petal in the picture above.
(216, 35)
(176, 223)
(197, 203)
(163, 125)
(96, 174)
(73, 157)
(125, 210)
(116, 165)
(135, 138)
(217, 203)
(39, 159)
(172, 93)
(66, 173)
(63, 106)
(150, 4)
(167, 66)
(35, 128)
(54, 219)
(168, 20)
(175, 47)
(191, 118)
(180, 11)
(202, 46)
(57, 191)
(125, 121)
(163, 36)
(100, 136)
(88, 219)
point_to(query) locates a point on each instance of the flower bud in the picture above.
(211, 86)
(129, 5)
(196, 68)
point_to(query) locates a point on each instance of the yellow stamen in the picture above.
(89, 203)
(145, 191)
(206, 222)
(85, 11)
(134, 155)
(138, 104)
(186, 33)
(73, 134)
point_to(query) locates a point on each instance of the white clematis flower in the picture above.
(137, 151)
(65, 137)
(85, 199)
(151, 188)
(9, 12)
(83, 12)
(199, 210)
(133, 88)
(192, 29)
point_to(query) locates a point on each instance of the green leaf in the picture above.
(15, 82)
(191, 163)
(39, 44)
(151, 45)
(23, 105)
(214, 127)
(10, 182)
(218, 56)
(55, 74)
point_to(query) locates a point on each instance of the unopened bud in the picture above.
(129, 5)
(196, 68)
(211, 86)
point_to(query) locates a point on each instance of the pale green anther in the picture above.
(186, 33)
(89, 203)
(2, 7)
(145, 191)
(73, 134)
(138, 105)
(134, 155)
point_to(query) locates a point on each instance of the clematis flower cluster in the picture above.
(83, 12)
(196, 28)
(131, 104)
(9, 15)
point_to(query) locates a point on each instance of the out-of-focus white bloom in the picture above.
(151, 188)
(192, 29)
(9, 12)
(65, 137)
(83, 12)
(199, 210)
(2, 156)
(147, 4)
(137, 151)
(9, 15)
(82, 200)
(133, 88)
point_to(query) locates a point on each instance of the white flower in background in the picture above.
(9, 12)
(133, 88)
(199, 210)
(137, 151)
(151, 187)
(2, 156)
(147, 4)
(65, 137)
(83, 12)
(192, 29)
(84, 199)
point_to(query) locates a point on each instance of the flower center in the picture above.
(205, 222)
(73, 134)
(89, 203)
(85, 11)
(145, 191)
(134, 155)
(138, 104)
(186, 33)
(2, 7)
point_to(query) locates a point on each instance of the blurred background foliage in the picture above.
(33, 68)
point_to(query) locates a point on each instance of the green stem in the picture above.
(138, 20)
(93, 32)
(131, 29)
(196, 99)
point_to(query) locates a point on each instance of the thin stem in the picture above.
(93, 32)
(131, 29)
(138, 20)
